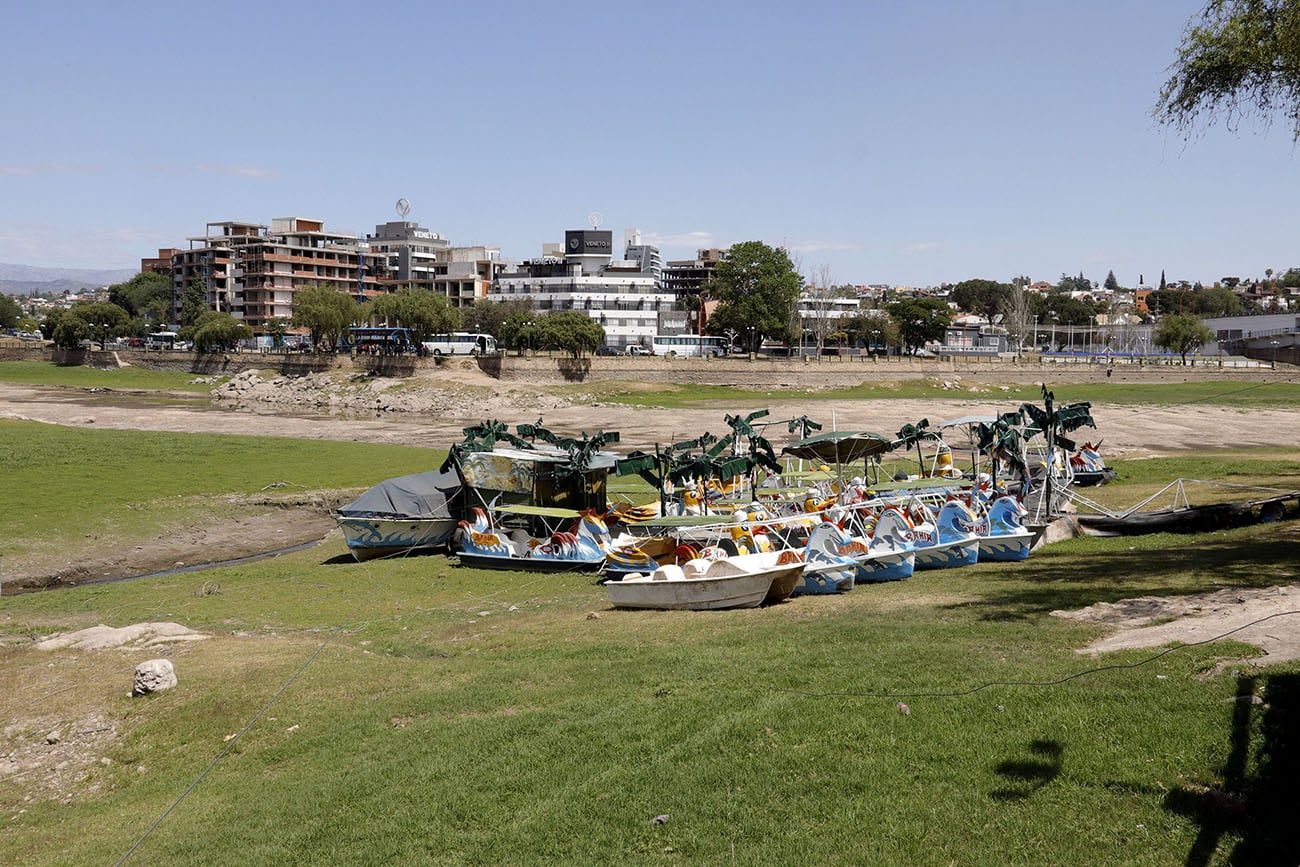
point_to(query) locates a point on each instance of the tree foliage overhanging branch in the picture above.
(1241, 57)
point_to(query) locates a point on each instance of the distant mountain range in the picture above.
(22, 279)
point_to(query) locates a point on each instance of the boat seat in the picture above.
(668, 572)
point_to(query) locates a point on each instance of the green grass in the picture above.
(119, 379)
(413, 712)
(65, 485)
(1247, 395)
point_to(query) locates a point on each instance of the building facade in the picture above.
(252, 272)
(419, 258)
(623, 295)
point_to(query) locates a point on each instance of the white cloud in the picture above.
(54, 246)
(34, 169)
(823, 247)
(254, 172)
(683, 240)
(920, 247)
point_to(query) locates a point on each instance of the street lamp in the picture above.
(1274, 345)
(528, 335)
(875, 343)
(103, 327)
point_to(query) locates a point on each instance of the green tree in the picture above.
(1217, 301)
(275, 328)
(571, 331)
(522, 330)
(85, 320)
(1163, 301)
(1163, 285)
(10, 312)
(986, 298)
(757, 289)
(146, 296)
(1181, 333)
(487, 317)
(1241, 58)
(215, 331)
(1111, 284)
(324, 311)
(194, 302)
(920, 321)
(423, 312)
(1069, 284)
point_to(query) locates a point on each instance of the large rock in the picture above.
(154, 675)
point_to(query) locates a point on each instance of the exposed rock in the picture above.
(153, 675)
(138, 635)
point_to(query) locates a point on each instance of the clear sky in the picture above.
(884, 142)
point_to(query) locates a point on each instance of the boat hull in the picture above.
(744, 581)
(505, 562)
(372, 538)
(1007, 548)
(948, 555)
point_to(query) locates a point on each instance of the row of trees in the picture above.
(328, 313)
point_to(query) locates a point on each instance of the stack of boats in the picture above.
(734, 526)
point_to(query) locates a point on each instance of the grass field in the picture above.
(414, 712)
(79, 376)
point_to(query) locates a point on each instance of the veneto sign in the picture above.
(589, 242)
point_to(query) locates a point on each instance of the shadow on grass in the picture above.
(1043, 584)
(1026, 776)
(1261, 806)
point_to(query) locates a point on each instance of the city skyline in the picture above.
(917, 145)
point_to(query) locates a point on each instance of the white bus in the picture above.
(461, 343)
(160, 340)
(690, 345)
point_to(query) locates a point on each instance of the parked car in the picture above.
(638, 349)
(606, 350)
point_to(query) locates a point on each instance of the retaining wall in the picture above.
(760, 372)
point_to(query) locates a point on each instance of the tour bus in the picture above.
(461, 343)
(380, 340)
(160, 340)
(690, 345)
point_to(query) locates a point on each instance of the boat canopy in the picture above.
(839, 447)
(421, 495)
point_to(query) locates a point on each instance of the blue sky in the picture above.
(885, 142)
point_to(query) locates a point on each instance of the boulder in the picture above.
(154, 675)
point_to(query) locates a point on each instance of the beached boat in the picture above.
(1182, 516)
(742, 581)
(581, 548)
(947, 540)
(835, 556)
(1002, 537)
(403, 515)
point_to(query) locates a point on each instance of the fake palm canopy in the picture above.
(1001, 440)
(839, 447)
(580, 450)
(1055, 422)
(482, 438)
(705, 457)
(913, 435)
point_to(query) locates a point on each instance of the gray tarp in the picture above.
(422, 495)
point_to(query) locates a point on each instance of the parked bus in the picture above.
(461, 343)
(160, 340)
(690, 345)
(380, 340)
